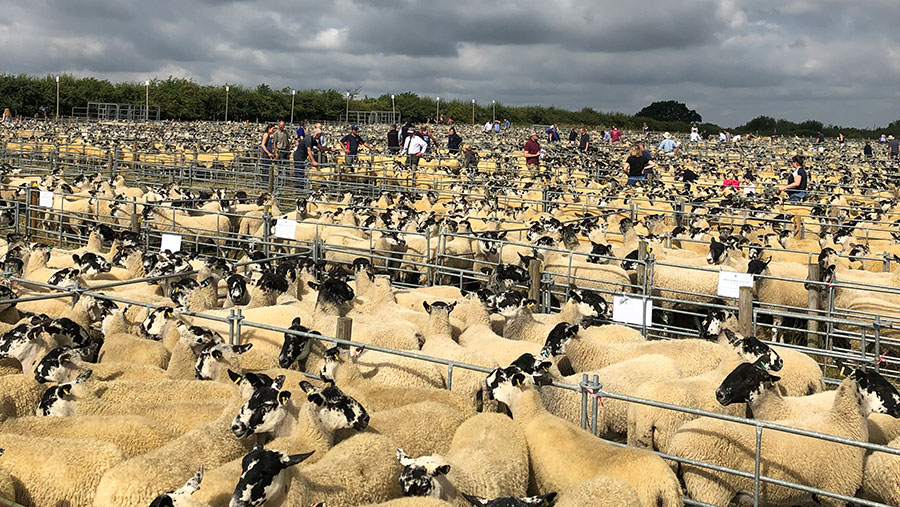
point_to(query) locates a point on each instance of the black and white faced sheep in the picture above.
(91, 264)
(58, 364)
(295, 347)
(508, 501)
(333, 294)
(263, 477)
(153, 326)
(181, 496)
(212, 357)
(262, 413)
(57, 401)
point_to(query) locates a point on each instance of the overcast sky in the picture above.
(834, 61)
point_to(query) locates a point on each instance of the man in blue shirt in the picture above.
(668, 145)
(351, 143)
(301, 132)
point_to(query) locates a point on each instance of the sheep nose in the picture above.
(720, 396)
(362, 423)
(239, 430)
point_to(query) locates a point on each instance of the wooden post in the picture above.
(344, 328)
(135, 219)
(812, 302)
(35, 201)
(745, 311)
(534, 277)
(643, 248)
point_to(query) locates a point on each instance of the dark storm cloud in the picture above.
(731, 60)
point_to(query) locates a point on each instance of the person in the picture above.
(393, 140)
(305, 152)
(723, 138)
(267, 150)
(645, 129)
(704, 135)
(449, 121)
(867, 149)
(470, 157)
(487, 127)
(645, 152)
(893, 147)
(414, 147)
(796, 188)
(584, 141)
(351, 143)
(532, 150)
(695, 134)
(883, 139)
(453, 141)
(505, 125)
(552, 134)
(323, 144)
(774, 134)
(282, 142)
(668, 145)
(615, 135)
(573, 136)
(301, 133)
(606, 136)
(636, 166)
(403, 131)
(7, 115)
(427, 137)
(820, 137)
(840, 138)
(497, 127)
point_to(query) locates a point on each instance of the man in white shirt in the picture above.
(413, 147)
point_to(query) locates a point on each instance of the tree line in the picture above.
(186, 100)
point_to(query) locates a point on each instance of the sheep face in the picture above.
(558, 339)
(508, 501)
(424, 476)
(153, 325)
(21, 343)
(334, 409)
(750, 349)
(828, 257)
(744, 384)
(505, 384)
(262, 478)
(878, 395)
(598, 252)
(590, 304)
(197, 337)
(57, 365)
(58, 401)
(711, 326)
(717, 252)
(508, 303)
(262, 413)
(295, 348)
(531, 364)
(250, 382)
(179, 496)
(214, 356)
(91, 264)
(66, 277)
(758, 267)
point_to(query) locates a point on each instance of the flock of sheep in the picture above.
(133, 394)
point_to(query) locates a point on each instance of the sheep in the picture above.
(562, 454)
(19, 394)
(121, 344)
(339, 368)
(7, 485)
(826, 465)
(439, 343)
(264, 477)
(598, 492)
(423, 428)
(522, 325)
(568, 271)
(181, 496)
(69, 472)
(508, 501)
(653, 427)
(879, 480)
(403, 502)
(479, 336)
(309, 427)
(776, 291)
(488, 457)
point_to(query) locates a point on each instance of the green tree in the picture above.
(670, 110)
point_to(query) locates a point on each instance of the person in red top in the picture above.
(615, 135)
(532, 150)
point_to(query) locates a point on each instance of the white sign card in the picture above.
(170, 242)
(635, 310)
(730, 283)
(46, 199)
(285, 228)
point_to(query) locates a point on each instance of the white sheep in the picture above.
(488, 457)
(880, 475)
(827, 465)
(562, 454)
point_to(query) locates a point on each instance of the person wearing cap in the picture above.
(668, 145)
(470, 157)
(532, 150)
(893, 147)
(414, 147)
(351, 143)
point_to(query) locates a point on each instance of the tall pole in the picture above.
(347, 117)
(438, 114)
(473, 111)
(494, 107)
(293, 92)
(393, 112)
(57, 98)
(227, 89)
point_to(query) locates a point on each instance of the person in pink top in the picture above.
(532, 150)
(615, 135)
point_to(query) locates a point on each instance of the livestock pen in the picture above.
(828, 332)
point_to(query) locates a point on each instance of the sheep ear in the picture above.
(313, 285)
(518, 379)
(306, 386)
(240, 349)
(451, 306)
(731, 337)
(76, 258)
(315, 397)
(486, 270)
(217, 355)
(474, 500)
(294, 459)
(65, 391)
(283, 397)
(442, 470)
(278, 382)
(426, 306)
(235, 377)
(356, 352)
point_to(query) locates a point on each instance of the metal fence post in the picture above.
(237, 326)
(584, 384)
(756, 465)
(231, 327)
(595, 402)
(812, 302)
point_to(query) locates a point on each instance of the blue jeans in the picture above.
(797, 196)
(300, 174)
(632, 180)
